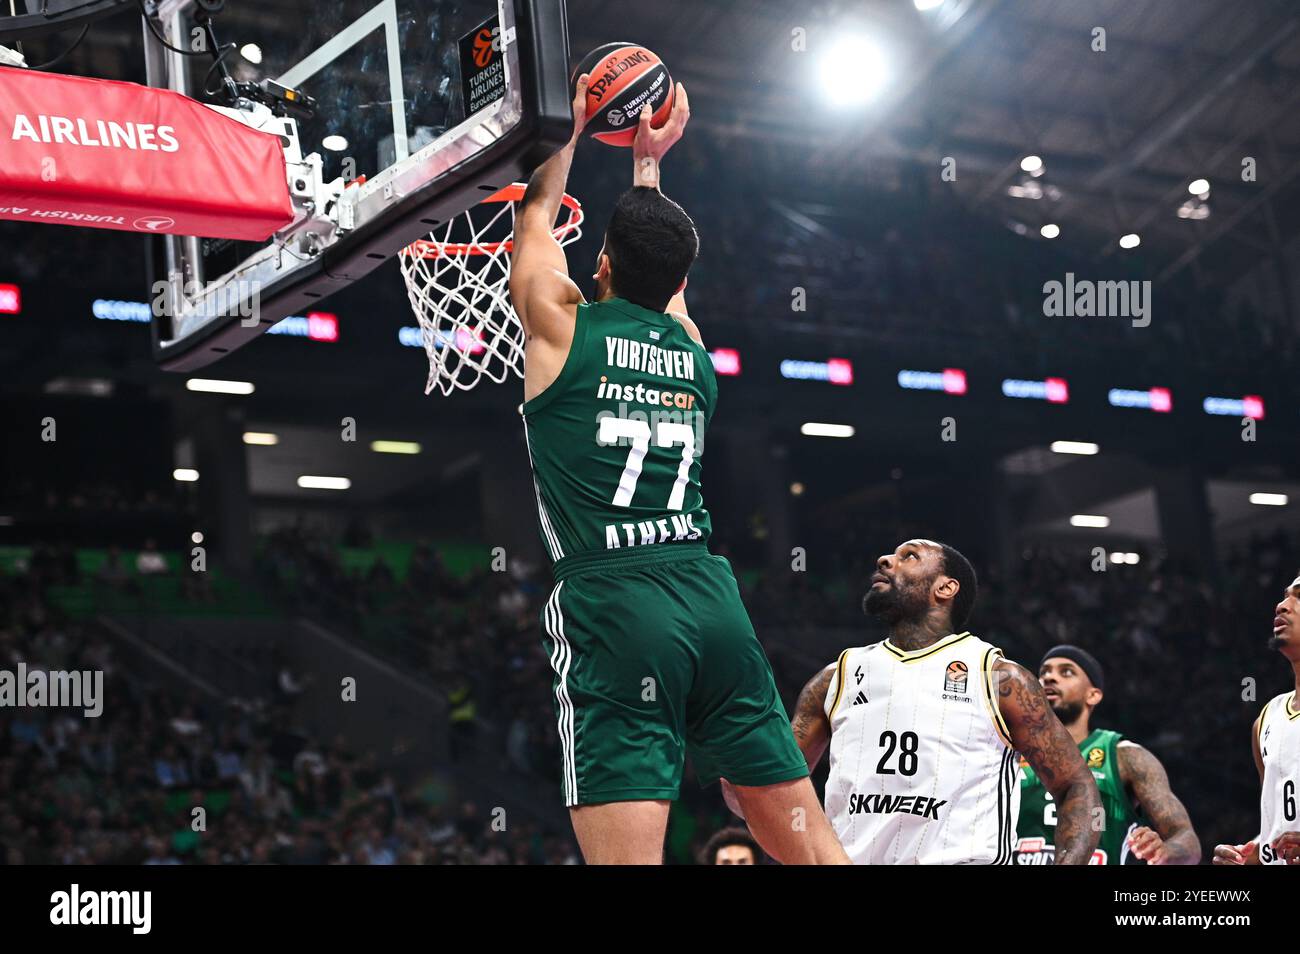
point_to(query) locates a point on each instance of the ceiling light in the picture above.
(212, 386)
(312, 482)
(815, 429)
(1089, 520)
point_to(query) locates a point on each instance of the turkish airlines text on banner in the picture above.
(113, 155)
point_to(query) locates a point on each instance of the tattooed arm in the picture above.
(1173, 842)
(1038, 735)
(811, 728)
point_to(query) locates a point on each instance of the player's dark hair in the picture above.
(959, 568)
(651, 243)
(727, 838)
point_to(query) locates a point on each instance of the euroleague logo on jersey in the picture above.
(955, 677)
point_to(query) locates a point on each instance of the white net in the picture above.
(458, 283)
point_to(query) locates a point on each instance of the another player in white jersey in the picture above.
(923, 729)
(1275, 740)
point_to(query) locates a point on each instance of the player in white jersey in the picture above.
(923, 729)
(1275, 740)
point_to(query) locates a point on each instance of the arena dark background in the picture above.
(223, 687)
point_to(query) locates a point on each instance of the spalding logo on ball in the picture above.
(623, 77)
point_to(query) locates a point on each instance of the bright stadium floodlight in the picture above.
(1132, 240)
(185, 474)
(1269, 500)
(213, 386)
(816, 429)
(313, 482)
(854, 71)
(1087, 448)
(1089, 520)
(1050, 231)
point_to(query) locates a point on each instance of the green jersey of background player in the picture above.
(1144, 821)
(652, 651)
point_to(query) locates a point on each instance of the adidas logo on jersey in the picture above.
(860, 699)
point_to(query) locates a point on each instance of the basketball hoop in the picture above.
(458, 283)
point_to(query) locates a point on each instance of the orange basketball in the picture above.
(623, 78)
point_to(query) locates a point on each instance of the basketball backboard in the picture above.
(421, 109)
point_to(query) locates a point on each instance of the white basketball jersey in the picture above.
(922, 767)
(1279, 744)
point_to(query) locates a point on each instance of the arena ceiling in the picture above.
(1182, 91)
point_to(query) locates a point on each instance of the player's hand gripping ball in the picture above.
(622, 79)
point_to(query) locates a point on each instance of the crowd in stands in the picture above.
(122, 788)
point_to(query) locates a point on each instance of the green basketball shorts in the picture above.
(655, 657)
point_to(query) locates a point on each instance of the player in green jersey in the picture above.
(1144, 820)
(652, 651)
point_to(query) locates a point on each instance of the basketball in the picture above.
(624, 77)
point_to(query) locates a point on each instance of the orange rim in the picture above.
(427, 248)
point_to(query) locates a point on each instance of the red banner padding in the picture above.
(112, 155)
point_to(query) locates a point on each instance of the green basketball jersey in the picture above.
(616, 440)
(1036, 830)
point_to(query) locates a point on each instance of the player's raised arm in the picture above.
(1170, 840)
(1040, 737)
(541, 291)
(648, 150)
(651, 145)
(811, 727)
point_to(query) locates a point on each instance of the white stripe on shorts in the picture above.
(561, 656)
